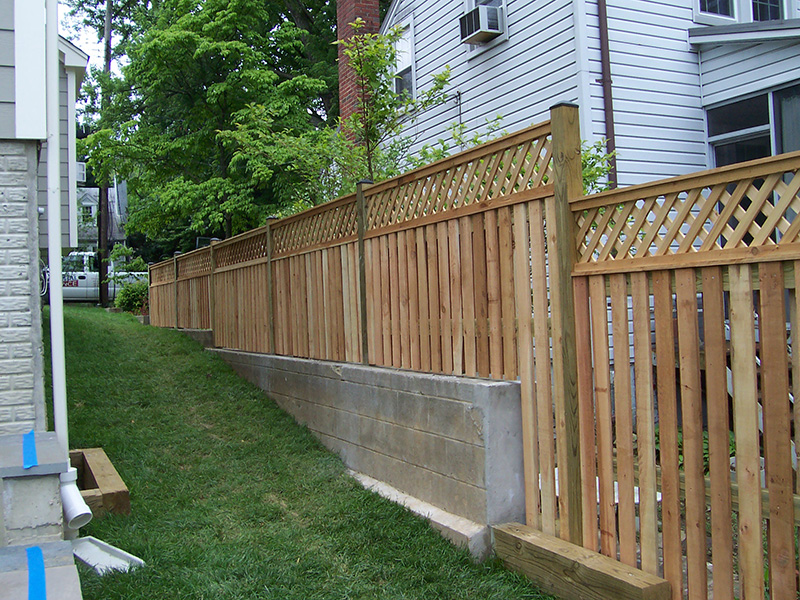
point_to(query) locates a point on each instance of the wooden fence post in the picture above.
(361, 217)
(212, 304)
(568, 185)
(175, 284)
(270, 308)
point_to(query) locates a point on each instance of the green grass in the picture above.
(231, 498)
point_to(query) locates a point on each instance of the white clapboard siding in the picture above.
(727, 70)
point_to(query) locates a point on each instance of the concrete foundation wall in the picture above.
(21, 363)
(453, 442)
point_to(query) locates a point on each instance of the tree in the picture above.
(192, 74)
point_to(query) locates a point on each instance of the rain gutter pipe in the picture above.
(76, 512)
(605, 80)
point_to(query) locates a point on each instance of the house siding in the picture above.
(728, 70)
(65, 181)
(658, 116)
(7, 84)
(21, 363)
(519, 78)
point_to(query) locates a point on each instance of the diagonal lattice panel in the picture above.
(734, 208)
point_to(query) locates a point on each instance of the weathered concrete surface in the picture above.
(453, 442)
(204, 337)
(61, 575)
(460, 531)
(32, 512)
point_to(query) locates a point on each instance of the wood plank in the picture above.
(745, 416)
(433, 298)
(777, 432)
(445, 315)
(456, 302)
(718, 428)
(394, 300)
(481, 295)
(386, 303)
(374, 300)
(668, 432)
(424, 301)
(522, 301)
(568, 185)
(468, 297)
(569, 571)
(692, 412)
(413, 299)
(583, 342)
(507, 293)
(320, 304)
(493, 294)
(402, 279)
(623, 405)
(645, 421)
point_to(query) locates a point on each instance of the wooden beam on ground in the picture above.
(570, 571)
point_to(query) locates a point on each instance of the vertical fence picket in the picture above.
(493, 296)
(507, 293)
(605, 433)
(745, 414)
(413, 299)
(583, 343)
(445, 301)
(668, 431)
(456, 303)
(481, 295)
(692, 412)
(424, 301)
(645, 424)
(777, 432)
(624, 418)
(468, 297)
(718, 431)
(433, 299)
(403, 301)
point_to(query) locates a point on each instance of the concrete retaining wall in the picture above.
(453, 442)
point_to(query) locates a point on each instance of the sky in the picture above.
(85, 39)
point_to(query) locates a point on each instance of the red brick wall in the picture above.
(348, 11)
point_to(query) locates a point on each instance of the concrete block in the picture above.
(30, 503)
(462, 532)
(24, 413)
(6, 414)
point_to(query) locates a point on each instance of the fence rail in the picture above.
(650, 329)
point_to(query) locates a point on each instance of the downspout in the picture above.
(608, 101)
(76, 512)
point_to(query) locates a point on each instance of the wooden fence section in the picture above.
(688, 420)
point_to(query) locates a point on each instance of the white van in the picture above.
(80, 276)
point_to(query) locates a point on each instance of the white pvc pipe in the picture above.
(54, 229)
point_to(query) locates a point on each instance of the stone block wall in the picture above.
(453, 442)
(21, 368)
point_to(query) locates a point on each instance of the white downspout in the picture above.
(75, 509)
(54, 229)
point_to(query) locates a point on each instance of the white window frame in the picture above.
(474, 50)
(750, 132)
(742, 13)
(408, 25)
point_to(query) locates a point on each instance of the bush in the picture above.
(133, 298)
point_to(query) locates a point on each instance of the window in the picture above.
(404, 79)
(766, 10)
(717, 7)
(748, 129)
(716, 12)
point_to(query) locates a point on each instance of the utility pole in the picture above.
(102, 213)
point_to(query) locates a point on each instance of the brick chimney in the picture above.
(348, 11)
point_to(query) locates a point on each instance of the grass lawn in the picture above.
(231, 498)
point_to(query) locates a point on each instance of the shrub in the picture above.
(133, 298)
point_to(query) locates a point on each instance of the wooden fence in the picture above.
(644, 325)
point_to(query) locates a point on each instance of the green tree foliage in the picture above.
(195, 67)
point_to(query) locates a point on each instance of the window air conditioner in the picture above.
(80, 172)
(481, 24)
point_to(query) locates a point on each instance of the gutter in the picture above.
(608, 100)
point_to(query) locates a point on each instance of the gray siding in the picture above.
(7, 85)
(519, 78)
(733, 70)
(64, 172)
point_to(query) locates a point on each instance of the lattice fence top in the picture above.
(327, 223)
(242, 248)
(162, 272)
(195, 264)
(505, 166)
(746, 207)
